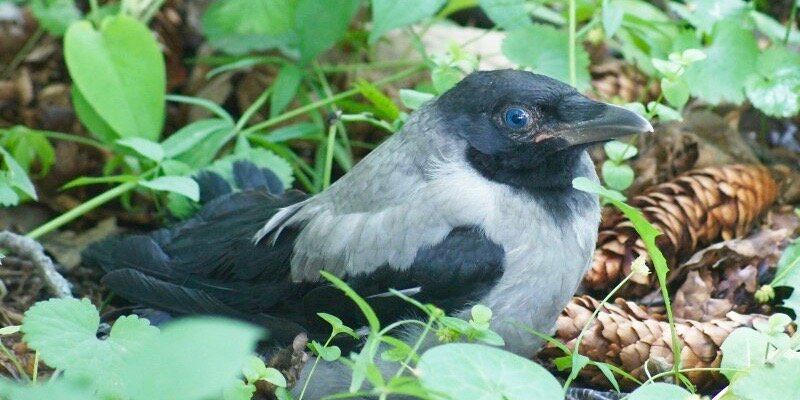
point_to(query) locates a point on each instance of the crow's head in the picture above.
(528, 127)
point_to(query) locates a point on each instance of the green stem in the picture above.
(573, 74)
(326, 173)
(151, 10)
(576, 350)
(330, 100)
(313, 367)
(63, 136)
(416, 347)
(386, 64)
(790, 26)
(35, 366)
(82, 209)
(14, 361)
(23, 52)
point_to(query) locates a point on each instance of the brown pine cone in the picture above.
(627, 336)
(693, 210)
(617, 79)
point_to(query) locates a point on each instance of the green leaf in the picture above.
(617, 176)
(285, 88)
(775, 89)
(27, 145)
(775, 380)
(788, 274)
(89, 117)
(198, 143)
(392, 14)
(8, 197)
(94, 180)
(471, 371)
(240, 26)
(384, 106)
(126, 91)
(321, 24)
(703, 14)
(260, 157)
(444, 77)
(675, 91)
(61, 389)
(9, 330)
(143, 147)
(254, 369)
(587, 185)
(659, 391)
(509, 14)
(730, 61)
(773, 29)
(337, 325)
(544, 49)
(275, 377)
(620, 151)
(238, 390)
(612, 17)
(169, 369)
(413, 99)
(481, 313)
(64, 332)
(181, 185)
(664, 112)
(55, 16)
(742, 349)
(16, 177)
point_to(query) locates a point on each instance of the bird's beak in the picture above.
(586, 121)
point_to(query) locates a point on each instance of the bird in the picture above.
(470, 202)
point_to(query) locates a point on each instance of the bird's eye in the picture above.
(516, 118)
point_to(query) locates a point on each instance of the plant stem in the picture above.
(151, 10)
(326, 173)
(573, 74)
(35, 366)
(23, 52)
(417, 345)
(82, 209)
(321, 103)
(574, 373)
(790, 26)
(14, 361)
(313, 367)
(386, 64)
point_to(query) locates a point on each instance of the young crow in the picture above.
(471, 202)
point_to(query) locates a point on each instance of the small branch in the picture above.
(30, 249)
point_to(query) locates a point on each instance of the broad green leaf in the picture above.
(170, 368)
(471, 371)
(413, 99)
(89, 117)
(285, 88)
(773, 29)
(544, 49)
(775, 88)
(55, 16)
(612, 17)
(181, 185)
(64, 331)
(239, 26)
(620, 151)
(126, 91)
(509, 14)
(8, 197)
(300, 130)
(275, 377)
(392, 14)
(254, 369)
(788, 274)
(664, 112)
(61, 389)
(774, 380)
(481, 313)
(675, 91)
(384, 106)
(703, 14)
(617, 176)
(444, 77)
(238, 390)
(198, 143)
(143, 147)
(742, 349)
(337, 325)
(320, 24)
(260, 157)
(659, 391)
(730, 61)
(16, 176)
(9, 330)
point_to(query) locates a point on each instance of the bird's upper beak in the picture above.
(585, 121)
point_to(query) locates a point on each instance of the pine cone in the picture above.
(628, 336)
(692, 210)
(617, 79)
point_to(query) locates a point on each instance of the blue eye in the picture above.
(516, 118)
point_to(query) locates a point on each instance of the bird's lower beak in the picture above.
(586, 121)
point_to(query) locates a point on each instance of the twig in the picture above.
(30, 249)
